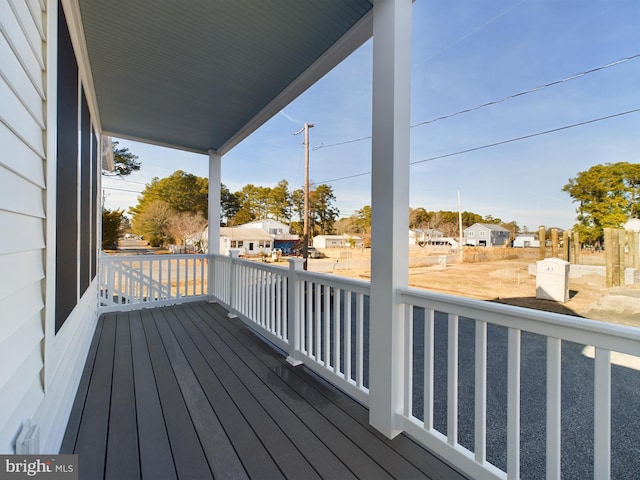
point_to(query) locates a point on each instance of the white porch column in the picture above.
(389, 208)
(215, 163)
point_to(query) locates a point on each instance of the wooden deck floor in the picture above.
(184, 392)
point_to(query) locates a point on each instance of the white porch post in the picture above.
(215, 163)
(294, 310)
(389, 208)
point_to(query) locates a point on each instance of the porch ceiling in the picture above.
(204, 74)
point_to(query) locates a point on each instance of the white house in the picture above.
(526, 241)
(272, 227)
(419, 235)
(249, 241)
(337, 241)
(279, 232)
(486, 235)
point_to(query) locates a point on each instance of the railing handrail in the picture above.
(360, 285)
(352, 284)
(124, 267)
(127, 280)
(614, 337)
(105, 257)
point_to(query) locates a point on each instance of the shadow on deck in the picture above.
(185, 392)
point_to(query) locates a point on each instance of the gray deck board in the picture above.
(122, 444)
(185, 392)
(155, 451)
(91, 444)
(190, 460)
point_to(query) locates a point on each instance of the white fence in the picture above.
(318, 319)
(471, 352)
(127, 281)
(498, 391)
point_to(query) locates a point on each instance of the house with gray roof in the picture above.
(486, 235)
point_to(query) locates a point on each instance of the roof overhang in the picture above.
(203, 75)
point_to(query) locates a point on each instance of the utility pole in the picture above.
(460, 227)
(305, 241)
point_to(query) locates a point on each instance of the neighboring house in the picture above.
(486, 235)
(282, 239)
(424, 236)
(337, 241)
(250, 241)
(526, 241)
(272, 227)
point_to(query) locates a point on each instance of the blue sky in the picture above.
(465, 54)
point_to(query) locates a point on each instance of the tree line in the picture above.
(444, 221)
(280, 203)
(173, 209)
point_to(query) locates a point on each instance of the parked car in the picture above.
(313, 252)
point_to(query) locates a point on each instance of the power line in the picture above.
(495, 144)
(532, 90)
(121, 189)
(566, 127)
(495, 102)
(108, 177)
(322, 145)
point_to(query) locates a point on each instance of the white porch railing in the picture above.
(481, 351)
(498, 391)
(319, 320)
(126, 281)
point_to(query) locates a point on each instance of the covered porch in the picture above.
(454, 374)
(495, 391)
(186, 392)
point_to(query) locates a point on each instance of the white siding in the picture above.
(19, 158)
(26, 233)
(25, 171)
(22, 307)
(70, 348)
(22, 217)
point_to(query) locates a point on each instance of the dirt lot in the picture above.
(499, 275)
(506, 281)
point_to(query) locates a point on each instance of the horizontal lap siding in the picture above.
(19, 158)
(30, 229)
(22, 215)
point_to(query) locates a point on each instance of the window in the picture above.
(93, 262)
(67, 177)
(76, 184)
(85, 194)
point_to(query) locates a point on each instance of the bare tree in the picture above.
(185, 225)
